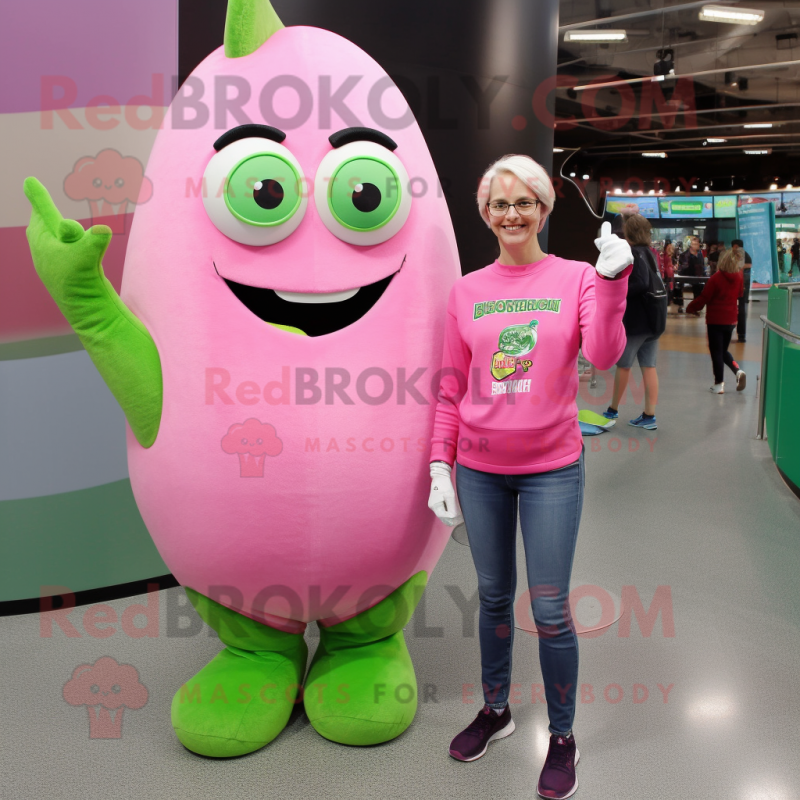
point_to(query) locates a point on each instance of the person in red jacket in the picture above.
(721, 294)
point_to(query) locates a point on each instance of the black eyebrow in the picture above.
(361, 135)
(247, 131)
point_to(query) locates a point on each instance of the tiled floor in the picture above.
(694, 515)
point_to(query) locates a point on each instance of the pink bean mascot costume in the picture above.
(279, 329)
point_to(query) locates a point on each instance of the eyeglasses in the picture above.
(524, 207)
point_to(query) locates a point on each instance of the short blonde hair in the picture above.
(533, 175)
(730, 262)
(637, 230)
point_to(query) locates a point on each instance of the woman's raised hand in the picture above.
(615, 253)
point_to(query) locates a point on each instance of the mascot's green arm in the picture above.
(68, 259)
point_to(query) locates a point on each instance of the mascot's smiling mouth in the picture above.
(313, 314)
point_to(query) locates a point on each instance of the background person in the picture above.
(518, 444)
(737, 247)
(721, 294)
(719, 249)
(692, 264)
(712, 258)
(642, 341)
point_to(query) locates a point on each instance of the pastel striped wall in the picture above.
(76, 79)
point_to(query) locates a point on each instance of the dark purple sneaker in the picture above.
(558, 777)
(472, 742)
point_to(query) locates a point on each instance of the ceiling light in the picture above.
(758, 125)
(572, 174)
(764, 152)
(654, 154)
(736, 16)
(558, 149)
(716, 141)
(705, 188)
(773, 187)
(789, 186)
(596, 36)
(586, 177)
(652, 191)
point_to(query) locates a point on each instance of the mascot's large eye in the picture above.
(361, 192)
(254, 191)
(364, 194)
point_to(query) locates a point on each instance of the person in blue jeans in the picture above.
(513, 333)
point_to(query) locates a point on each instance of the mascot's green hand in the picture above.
(68, 260)
(64, 254)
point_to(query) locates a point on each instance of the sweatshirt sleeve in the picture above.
(602, 305)
(705, 297)
(456, 361)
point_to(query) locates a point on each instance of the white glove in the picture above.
(442, 500)
(615, 253)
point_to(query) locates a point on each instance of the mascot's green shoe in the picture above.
(361, 688)
(243, 698)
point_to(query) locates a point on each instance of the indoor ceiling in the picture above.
(750, 77)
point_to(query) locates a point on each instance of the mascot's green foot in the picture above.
(243, 698)
(361, 688)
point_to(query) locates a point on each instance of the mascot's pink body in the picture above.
(328, 514)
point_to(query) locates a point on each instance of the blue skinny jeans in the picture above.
(550, 506)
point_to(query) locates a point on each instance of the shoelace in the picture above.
(483, 721)
(558, 756)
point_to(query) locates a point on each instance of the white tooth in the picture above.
(317, 297)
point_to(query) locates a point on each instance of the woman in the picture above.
(721, 294)
(667, 268)
(642, 342)
(507, 413)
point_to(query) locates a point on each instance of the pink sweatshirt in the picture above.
(509, 370)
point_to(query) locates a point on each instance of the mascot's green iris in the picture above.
(364, 194)
(263, 189)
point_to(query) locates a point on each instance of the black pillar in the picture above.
(468, 68)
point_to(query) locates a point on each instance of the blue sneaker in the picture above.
(641, 422)
(611, 414)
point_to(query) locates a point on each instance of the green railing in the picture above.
(779, 387)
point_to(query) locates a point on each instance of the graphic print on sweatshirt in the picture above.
(515, 342)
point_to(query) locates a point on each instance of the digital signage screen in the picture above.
(791, 204)
(686, 207)
(646, 206)
(761, 197)
(725, 206)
